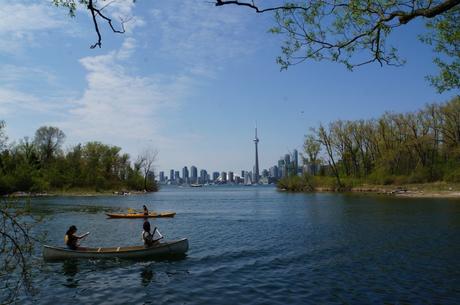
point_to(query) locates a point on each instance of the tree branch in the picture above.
(257, 9)
(97, 12)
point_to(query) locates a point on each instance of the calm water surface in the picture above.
(254, 245)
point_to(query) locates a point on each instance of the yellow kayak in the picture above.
(141, 215)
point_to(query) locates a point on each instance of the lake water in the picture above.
(254, 245)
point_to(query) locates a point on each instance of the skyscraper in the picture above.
(171, 175)
(176, 177)
(203, 176)
(287, 164)
(185, 174)
(193, 174)
(256, 166)
(295, 156)
(223, 177)
(230, 176)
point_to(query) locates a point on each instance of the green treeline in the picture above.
(417, 147)
(40, 165)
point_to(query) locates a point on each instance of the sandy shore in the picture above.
(422, 194)
(411, 192)
(74, 194)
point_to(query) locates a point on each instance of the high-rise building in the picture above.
(287, 159)
(176, 177)
(274, 171)
(162, 176)
(287, 165)
(230, 177)
(282, 172)
(223, 177)
(295, 156)
(248, 178)
(215, 176)
(185, 174)
(193, 174)
(171, 175)
(256, 165)
(203, 176)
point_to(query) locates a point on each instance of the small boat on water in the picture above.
(141, 215)
(162, 250)
(196, 185)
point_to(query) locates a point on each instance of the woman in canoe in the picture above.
(150, 239)
(146, 211)
(71, 239)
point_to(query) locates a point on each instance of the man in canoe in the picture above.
(71, 239)
(146, 211)
(150, 239)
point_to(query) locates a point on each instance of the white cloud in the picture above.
(19, 22)
(118, 107)
(14, 101)
(200, 35)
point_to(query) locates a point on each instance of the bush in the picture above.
(453, 176)
(420, 175)
(297, 183)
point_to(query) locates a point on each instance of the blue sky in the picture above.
(188, 79)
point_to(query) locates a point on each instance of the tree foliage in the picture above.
(416, 147)
(16, 247)
(445, 38)
(41, 165)
(145, 161)
(356, 32)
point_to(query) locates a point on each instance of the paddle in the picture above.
(84, 235)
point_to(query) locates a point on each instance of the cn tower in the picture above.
(256, 167)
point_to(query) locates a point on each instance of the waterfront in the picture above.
(254, 245)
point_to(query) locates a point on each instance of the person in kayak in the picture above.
(71, 239)
(150, 239)
(146, 211)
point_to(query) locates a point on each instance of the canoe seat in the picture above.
(118, 249)
(99, 249)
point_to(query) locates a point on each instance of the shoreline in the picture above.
(411, 191)
(74, 194)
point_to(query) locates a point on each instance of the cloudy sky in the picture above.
(188, 79)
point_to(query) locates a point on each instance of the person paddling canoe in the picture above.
(71, 239)
(150, 239)
(146, 211)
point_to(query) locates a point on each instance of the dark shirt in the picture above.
(147, 237)
(72, 242)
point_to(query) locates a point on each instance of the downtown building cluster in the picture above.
(191, 177)
(287, 165)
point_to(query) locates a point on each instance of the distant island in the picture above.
(41, 167)
(406, 154)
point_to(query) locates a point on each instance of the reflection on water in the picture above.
(146, 275)
(70, 269)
